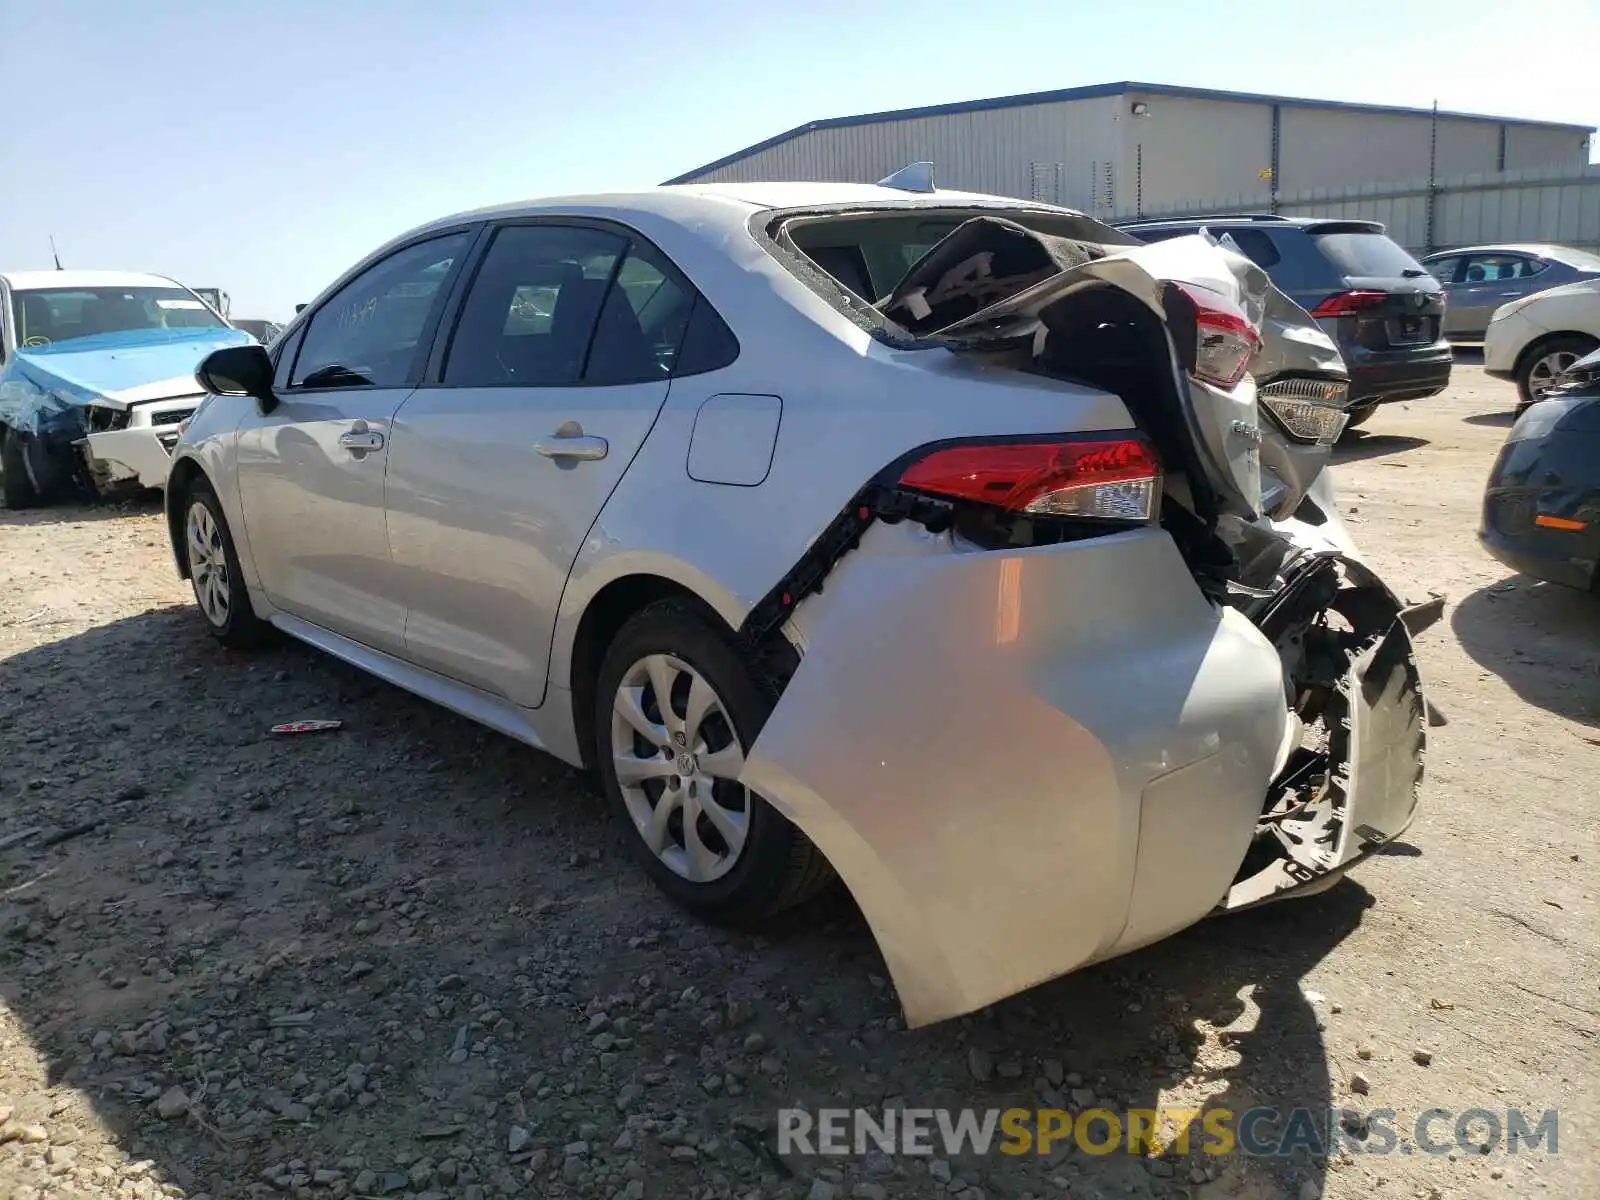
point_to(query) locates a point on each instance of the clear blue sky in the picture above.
(264, 146)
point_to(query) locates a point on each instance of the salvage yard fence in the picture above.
(1559, 204)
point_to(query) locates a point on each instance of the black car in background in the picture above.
(1385, 313)
(1541, 510)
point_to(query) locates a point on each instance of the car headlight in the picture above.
(1310, 410)
(1511, 309)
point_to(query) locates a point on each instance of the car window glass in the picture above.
(1443, 269)
(708, 343)
(1159, 235)
(1254, 244)
(283, 361)
(1491, 268)
(642, 324)
(367, 332)
(1369, 255)
(559, 305)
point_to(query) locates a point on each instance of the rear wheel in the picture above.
(1545, 361)
(219, 587)
(1360, 416)
(676, 707)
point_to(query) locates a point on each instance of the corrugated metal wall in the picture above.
(986, 151)
(1093, 154)
(1550, 205)
(1186, 147)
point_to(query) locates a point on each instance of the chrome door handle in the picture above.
(581, 446)
(361, 440)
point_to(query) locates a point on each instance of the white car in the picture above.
(939, 541)
(1535, 339)
(96, 374)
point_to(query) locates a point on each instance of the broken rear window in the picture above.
(867, 253)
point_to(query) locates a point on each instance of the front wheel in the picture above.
(1544, 363)
(676, 707)
(15, 483)
(219, 587)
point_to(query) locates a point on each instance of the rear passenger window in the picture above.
(1492, 268)
(642, 324)
(560, 305)
(1254, 244)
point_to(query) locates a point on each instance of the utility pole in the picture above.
(1433, 172)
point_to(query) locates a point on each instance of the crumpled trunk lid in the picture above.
(994, 283)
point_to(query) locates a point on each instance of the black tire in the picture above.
(1575, 344)
(15, 484)
(1360, 416)
(239, 628)
(778, 867)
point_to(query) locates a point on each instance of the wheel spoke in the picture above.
(633, 770)
(662, 676)
(656, 832)
(702, 702)
(629, 705)
(725, 763)
(702, 859)
(731, 825)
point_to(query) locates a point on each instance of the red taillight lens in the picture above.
(1348, 304)
(1114, 479)
(1225, 340)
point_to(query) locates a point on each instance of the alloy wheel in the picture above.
(677, 759)
(208, 563)
(1545, 371)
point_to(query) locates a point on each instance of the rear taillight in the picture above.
(1349, 304)
(1225, 340)
(1106, 479)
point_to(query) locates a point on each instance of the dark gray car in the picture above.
(1381, 308)
(1479, 279)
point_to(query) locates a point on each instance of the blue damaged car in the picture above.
(96, 376)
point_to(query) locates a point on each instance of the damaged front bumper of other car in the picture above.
(1122, 734)
(69, 440)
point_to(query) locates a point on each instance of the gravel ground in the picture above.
(412, 957)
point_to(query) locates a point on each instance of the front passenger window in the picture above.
(367, 333)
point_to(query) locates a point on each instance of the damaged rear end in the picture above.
(1132, 677)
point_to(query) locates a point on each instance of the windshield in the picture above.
(47, 316)
(1367, 256)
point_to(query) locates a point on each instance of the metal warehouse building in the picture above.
(1133, 147)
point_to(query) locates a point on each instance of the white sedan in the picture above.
(1535, 339)
(938, 541)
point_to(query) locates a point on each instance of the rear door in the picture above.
(1399, 305)
(1487, 282)
(557, 365)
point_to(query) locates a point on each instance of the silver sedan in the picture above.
(1479, 279)
(935, 542)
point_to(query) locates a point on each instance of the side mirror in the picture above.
(239, 371)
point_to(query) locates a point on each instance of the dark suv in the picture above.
(1385, 313)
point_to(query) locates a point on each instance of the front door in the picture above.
(553, 376)
(311, 470)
